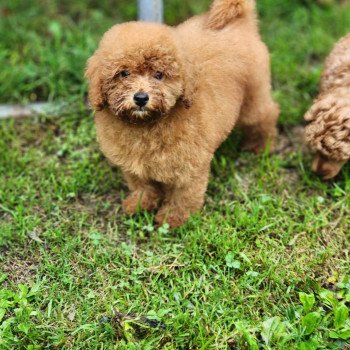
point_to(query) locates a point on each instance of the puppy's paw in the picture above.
(140, 200)
(326, 168)
(174, 217)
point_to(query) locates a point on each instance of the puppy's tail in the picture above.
(223, 12)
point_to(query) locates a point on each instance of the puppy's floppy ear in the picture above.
(93, 75)
(190, 84)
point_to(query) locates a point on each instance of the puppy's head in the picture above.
(139, 73)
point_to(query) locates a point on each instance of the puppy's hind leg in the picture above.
(258, 120)
(143, 195)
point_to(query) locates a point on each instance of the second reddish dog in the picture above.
(328, 131)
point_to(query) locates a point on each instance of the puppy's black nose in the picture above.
(141, 99)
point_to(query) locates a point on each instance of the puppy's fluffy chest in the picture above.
(165, 153)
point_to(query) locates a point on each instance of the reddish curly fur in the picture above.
(224, 11)
(328, 131)
(213, 80)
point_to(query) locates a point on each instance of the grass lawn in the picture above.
(265, 265)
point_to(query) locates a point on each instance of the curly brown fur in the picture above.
(201, 82)
(328, 131)
(223, 12)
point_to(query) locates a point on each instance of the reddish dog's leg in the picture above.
(181, 201)
(143, 196)
(259, 114)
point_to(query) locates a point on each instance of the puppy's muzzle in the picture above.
(141, 99)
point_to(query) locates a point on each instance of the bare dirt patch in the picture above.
(19, 267)
(291, 140)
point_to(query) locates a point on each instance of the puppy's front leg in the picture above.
(143, 195)
(181, 201)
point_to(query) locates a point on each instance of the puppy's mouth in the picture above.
(140, 116)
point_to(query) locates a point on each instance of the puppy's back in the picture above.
(224, 42)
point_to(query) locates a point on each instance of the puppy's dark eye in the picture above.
(124, 73)
(159, 75)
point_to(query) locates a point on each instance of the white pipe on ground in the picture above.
(57, 108)
(18, 111)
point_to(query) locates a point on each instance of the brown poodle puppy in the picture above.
(328, 131)
(166, 98)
